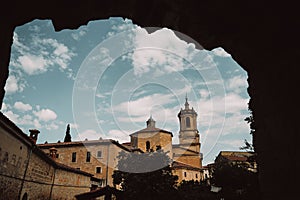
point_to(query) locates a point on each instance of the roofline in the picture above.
(13, 129)
(186, 166)
(82, 143)
(151, 131)
(238, 151)
(178, 146)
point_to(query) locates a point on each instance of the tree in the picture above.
(191, 190)
(68, 135)
(146, 176)
(236, 181)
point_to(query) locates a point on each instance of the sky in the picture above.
(108, 77)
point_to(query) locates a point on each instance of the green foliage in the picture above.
(145, 176)
(68, 135)
(248, 146)
(250, 120)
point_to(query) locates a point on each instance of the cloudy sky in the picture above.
(106, 78)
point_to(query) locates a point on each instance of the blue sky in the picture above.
(108, 77)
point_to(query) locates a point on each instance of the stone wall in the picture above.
(27, 171)
(184, 156)
(39, 178)
(13, 162)
(68, 184)
(108, 160)
(164, 140)
(187, 175)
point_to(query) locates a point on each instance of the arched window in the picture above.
(147, 145)
(187, 122)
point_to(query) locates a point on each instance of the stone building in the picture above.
(246, 159)
(186, 156)
(26, 172)
(152, 139)
(98, 157)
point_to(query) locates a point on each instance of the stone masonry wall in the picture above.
(68, 184)
(39, 178)
(13, 160)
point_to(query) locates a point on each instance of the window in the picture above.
(147, 146)
(184, 174)
(57, 155)
(98, 170)
(74, 157)
(99, 154)
(88, 156)
(158, 147)
(196, 175)
(187, 122)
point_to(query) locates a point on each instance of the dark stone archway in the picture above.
(261, 36)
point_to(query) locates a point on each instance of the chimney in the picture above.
(34, 135)
(53, 153)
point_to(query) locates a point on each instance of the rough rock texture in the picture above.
(263, 38)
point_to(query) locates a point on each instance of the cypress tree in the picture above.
(68, 135)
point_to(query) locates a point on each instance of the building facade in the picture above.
(98, 157)
(26, 172)
(247, 159)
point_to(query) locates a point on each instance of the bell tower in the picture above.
(188, 134)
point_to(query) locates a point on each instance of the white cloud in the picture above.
(78, 34)
(22, 106)
(4, 107)
(237, 84)
(230, 104)
(73, 125)
(32, 64)
(126, 26)
(13, 84)
(25, 120)
(37, 124)
(89, 134)
(12, 116)
(204, 94)
(220, 52)
(119, 135)
(160, 48)
(145, 105)
(40, 55)
(45, 115)
(51, 126)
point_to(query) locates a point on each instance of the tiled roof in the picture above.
(180, 147)
(152, 129)
(18, 133)
(82, 143)
(236, 158)
(75, 143)
(180, 165)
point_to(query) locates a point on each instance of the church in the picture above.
(186, 156)
(99, 157)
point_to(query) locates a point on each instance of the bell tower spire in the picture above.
(186, 102)
(188, 134)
